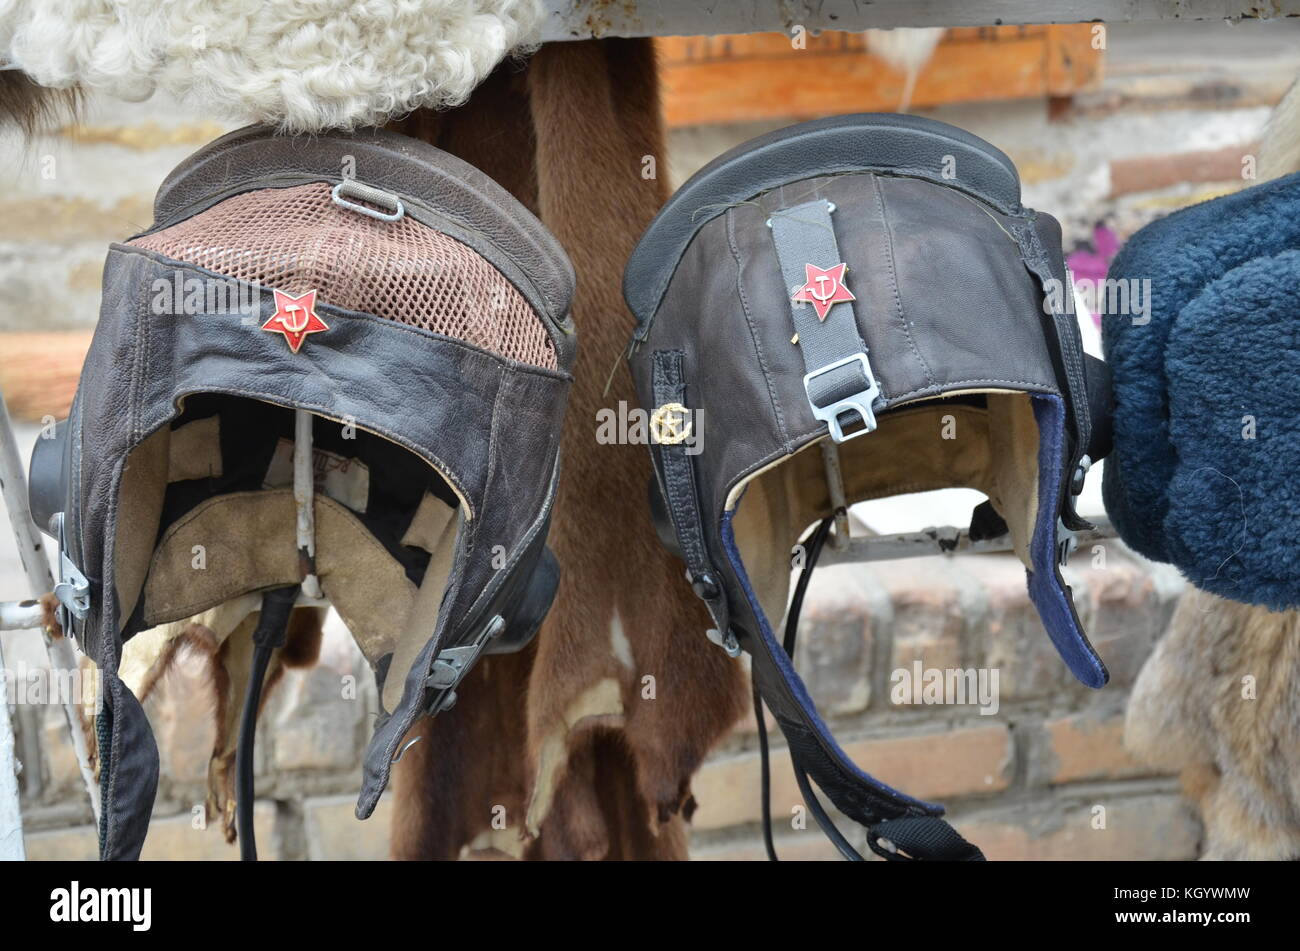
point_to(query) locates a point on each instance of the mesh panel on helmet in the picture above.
(296, 240)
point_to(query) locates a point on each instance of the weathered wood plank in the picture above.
(580, 19)
(762, 76)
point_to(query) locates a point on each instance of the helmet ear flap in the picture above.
(533, 606)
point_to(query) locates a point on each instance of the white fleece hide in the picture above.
(304, 65)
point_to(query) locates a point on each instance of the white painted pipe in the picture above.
(939, 541)
(11, 817)
(304, 490)
(20, 615)
(31, 551)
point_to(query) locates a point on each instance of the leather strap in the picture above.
(676, 474)
(838, 379)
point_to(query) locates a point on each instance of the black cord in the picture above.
(766, 774)
(926, 837)
(814, 551)
(272, 628)
(815, 544)
(819, 814)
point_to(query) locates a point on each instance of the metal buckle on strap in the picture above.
(729, 643)
(72, 589)
(1067, 542)
(1080, 475)
(861, 401)
(453, 663)
(363, 192)
(706, 588)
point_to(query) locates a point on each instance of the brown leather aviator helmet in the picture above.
(825, 298)
(368, 294)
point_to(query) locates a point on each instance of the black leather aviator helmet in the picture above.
(378, 296)
(850, 284)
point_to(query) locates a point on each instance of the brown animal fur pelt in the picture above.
(567, 750)
(1219, 699)
(33, 108)
(227, 657)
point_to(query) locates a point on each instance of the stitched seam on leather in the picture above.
(1072, 360)
(115, 764)
(676, 472)
(522, 546)
(1051, 385)
(494, 443)
(143, 342)
(133, 391)
(893, 281)
(776, 454)
(906, 171)
(730, 220)
(820, 428)
(669, 387)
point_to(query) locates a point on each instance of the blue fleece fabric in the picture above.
(1233, 364)
(1180, 255)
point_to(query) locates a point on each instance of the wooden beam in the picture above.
(582, 19)
(742, 78)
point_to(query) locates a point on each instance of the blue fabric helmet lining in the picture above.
(1046, 591)
(797, 686)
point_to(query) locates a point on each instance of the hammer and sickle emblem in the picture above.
(821, 280)
(670, 424)
(823, 288)
(294, 318)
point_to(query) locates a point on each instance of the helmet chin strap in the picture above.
(272, 628)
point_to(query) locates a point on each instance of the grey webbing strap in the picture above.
(838, 379)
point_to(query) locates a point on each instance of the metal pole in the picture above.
(304, 490)
(21, 615)
(11, 817)
(13, 482)
(940, 541)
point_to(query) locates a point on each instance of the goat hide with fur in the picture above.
(304, 66)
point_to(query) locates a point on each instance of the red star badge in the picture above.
(825, 288)
(295, 317)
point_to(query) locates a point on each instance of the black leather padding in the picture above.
(1101, 407)
(47, 477)
(886, 143)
